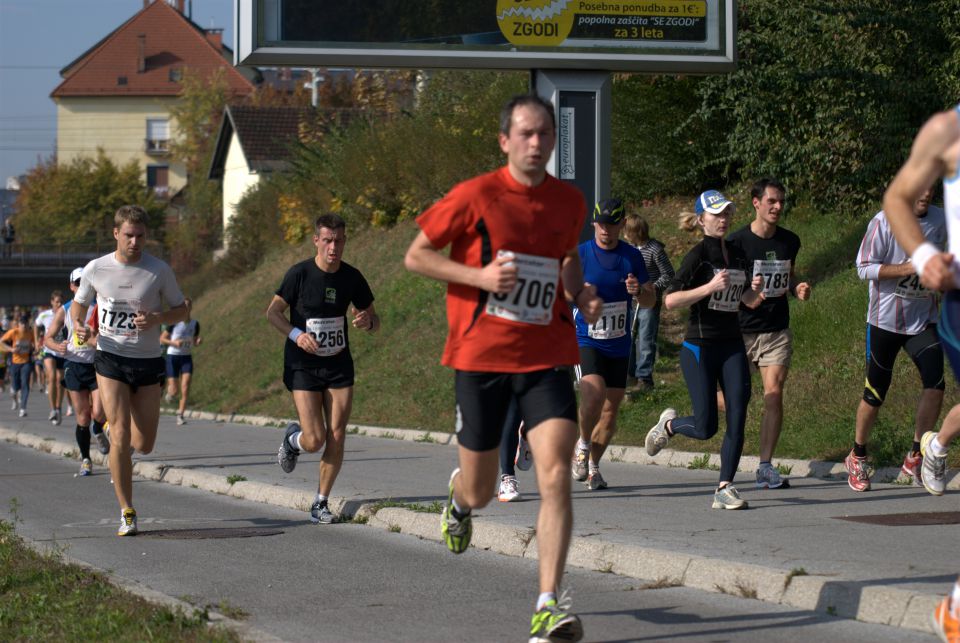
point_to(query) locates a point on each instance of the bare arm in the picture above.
(276, 315)
(78, 313)
(55, 326)
(171, 316)
(929, 160)
(576, 290)
(424, 259)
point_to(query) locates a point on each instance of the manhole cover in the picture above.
(908, 520)
(217, 532)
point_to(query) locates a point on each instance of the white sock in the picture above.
(955, 600)
(938, 449)
(294, 440)
(321, 499)
(583, 445)
(592, 466)
(544, 597)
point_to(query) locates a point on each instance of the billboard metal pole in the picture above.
(582, 102)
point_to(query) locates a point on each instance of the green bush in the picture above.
(828, 96)
(255, 228)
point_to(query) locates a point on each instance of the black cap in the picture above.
(608, 211)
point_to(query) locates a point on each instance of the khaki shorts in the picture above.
(769, 349)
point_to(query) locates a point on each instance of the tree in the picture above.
(75, 203)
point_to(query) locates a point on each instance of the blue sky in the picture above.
(40, 37)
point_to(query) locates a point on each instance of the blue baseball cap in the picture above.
(711, 201)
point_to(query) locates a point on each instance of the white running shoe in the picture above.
(23, 413)
(934, 467)
(180, 420)
(14, 404)
(658, 437)
(128, 523)
(524, 457)
(579, 467)
(509, 489)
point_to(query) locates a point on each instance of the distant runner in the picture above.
(180, 340)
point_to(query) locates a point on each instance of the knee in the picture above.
(310, 442)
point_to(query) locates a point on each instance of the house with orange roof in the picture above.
(117, 95)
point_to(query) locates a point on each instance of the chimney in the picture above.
(215, 37)
(146, 3)
(141, 53)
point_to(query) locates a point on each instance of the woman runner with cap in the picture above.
(712, 281)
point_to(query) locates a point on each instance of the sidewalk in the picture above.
(794, 546)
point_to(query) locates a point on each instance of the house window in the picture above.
(158, 136)
(121, 80)
(176, 75)
(158, 177)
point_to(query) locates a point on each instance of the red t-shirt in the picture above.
(531, 328)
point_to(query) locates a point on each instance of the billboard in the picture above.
(694, 36)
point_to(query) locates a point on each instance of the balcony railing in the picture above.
(157, 146)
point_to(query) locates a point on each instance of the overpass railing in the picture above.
(59, 255)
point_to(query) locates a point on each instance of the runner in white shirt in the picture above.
(131, 289)
(180, 340)
(53, 363)
(935, 154)
(901, 314)
(79, 377)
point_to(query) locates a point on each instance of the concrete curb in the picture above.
(823, 594)
(627, 454)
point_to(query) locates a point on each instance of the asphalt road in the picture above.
(297, 581)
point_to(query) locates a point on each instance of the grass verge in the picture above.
(43, 599)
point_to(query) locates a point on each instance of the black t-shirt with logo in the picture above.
(713, 317)
(774, 313)
(318, 303)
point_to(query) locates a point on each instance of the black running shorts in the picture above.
(319, 379)
(132, 371)
(483, 399)
(78, 376)
(613, 370)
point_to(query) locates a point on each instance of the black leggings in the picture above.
(713, 362)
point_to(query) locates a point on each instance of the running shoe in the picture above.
(551, 623)
(524, 457)
(933, 468)
(728, 498)
(859, 477)
(509, 489)
(69, 410)
(103, 442)
(768, 478)
(180, 420)
(167, 398)
(320, 514)
(128, 523)
(14, 404)
(595, 480)
(456, 533)
(658, 437)
(945, 624)
(52, 416)
(579, 464)
(23, 413)
(911, 467)
(287, 455)
(86, 467)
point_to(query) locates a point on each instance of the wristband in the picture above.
(924, 252)
(294, 334)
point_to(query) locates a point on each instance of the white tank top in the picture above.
(951, 204)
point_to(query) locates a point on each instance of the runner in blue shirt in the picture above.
(620, 276)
